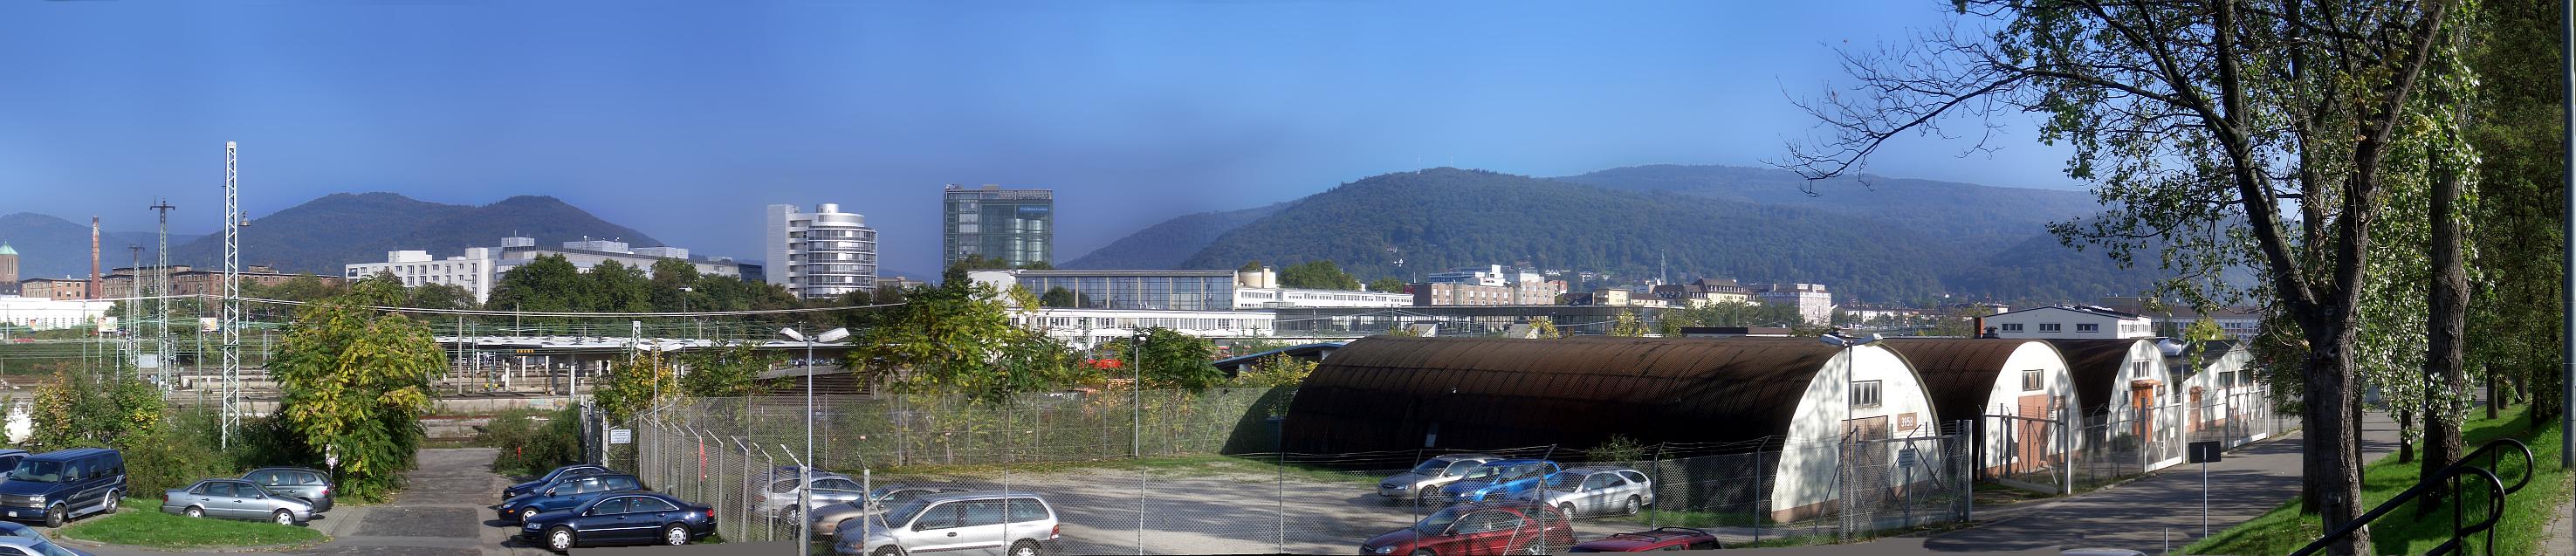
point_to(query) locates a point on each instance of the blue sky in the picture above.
(682, 119)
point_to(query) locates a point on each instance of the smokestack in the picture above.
(93, 258)
(1978, 330)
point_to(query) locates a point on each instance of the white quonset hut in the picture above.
(2016, 390)
(1797, 395)
(2215, 381)
(2126, 391)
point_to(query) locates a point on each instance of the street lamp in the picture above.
(805, 473)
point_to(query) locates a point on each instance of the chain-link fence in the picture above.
(2053, 453)
(1210, 481)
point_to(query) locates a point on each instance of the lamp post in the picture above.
(805, 473)
(1842, 438)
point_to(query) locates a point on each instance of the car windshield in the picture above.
(1486, 472)
(905, 513)
(47, 548)
(37, 471)
(1437, 522)
(1563, 481)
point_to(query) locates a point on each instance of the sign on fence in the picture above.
(621, 436)
(1905, 457)
(2204, 452)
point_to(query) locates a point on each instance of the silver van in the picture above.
(986, 523)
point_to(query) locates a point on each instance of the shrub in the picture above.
(1617, 448)
(175, 454)
(533, 441)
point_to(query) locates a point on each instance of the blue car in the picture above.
(621, 518)
(566, 492)
(560, 472)
(60, 485)
(1498, 480)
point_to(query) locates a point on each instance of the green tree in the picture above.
(1275, 371)
(356, 382)
(1172, 360)
(438, 296)
(1960, 322)
(2516, 242)
(1388, 284)
(80, 407)
(617, 288)
(547, 284)
(1628, 324)
(1317, 275)
(673, 285)
(727, 370)
(1401, 330)
(1249, 266)
(945, 338)
(1057, 297)
(1546, 327)
(2199, 124)
(634, 384)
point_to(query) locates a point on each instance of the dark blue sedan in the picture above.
(621, 518)
(565, 493)
(560, 472)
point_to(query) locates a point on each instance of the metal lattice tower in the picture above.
(133, 327)
(232, 294)
(161, 293)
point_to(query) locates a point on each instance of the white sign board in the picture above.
(208, 324)
(621, 436)
(107, 325)
(147, 361)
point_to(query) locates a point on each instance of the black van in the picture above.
(60, 485)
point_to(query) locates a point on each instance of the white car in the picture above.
(1594, 491)
(1010, 523)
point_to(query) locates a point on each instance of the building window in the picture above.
(2088, 327)
(1865, 393)
(2031, 381)
(2012, 327)
(2049, 327)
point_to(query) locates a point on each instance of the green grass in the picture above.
(141, 523)
(2405, 531)
(1180, 466)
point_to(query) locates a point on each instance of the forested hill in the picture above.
(1166, 244)
(1445, 217)
(322, 234)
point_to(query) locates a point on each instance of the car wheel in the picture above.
(1538, 547)
(527, 514)
(1567, 509)
(282, 517)
(1024, 548)
(194, 511)
(1631, 508)
(112, 498)
(889, 551)
(559, 540)
(675, 535)
(791, 514)
(1424, 552)
(54, 516)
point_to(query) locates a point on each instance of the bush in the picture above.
(533, 441)
(1618, 448)
(176, 454)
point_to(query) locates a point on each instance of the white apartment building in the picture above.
(2070, 322)
(44, 313)
(820, 254)
(473, 271)
(1815, 305)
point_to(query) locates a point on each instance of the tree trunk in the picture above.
(2405, 446)
(2333, 469)
(2492, 400)
(2446, 335)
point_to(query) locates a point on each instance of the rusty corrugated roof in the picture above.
(1384, 393)
(1959, 373)
(2096, 367)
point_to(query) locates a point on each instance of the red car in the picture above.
(1482, 528)
(1666, 538)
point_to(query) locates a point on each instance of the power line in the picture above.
(492, 313)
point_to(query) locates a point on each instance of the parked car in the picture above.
(9, 458)
(235, 499)
(60, 485)
(1662, 538)
(565, 493)
(1497, 480)
(513, 491)
(1431, 475)
(780, 497)
(35, 546)
(621, 518)
(829, 519)
(1479, 528)
(1586, 491)
(15, 529)
(1012, 523)
(313, 486)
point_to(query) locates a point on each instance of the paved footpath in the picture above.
(443, 512)
(2146, 513)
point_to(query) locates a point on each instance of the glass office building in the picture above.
(1168, 290)
(1015, 226)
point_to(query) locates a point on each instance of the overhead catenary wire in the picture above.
(581, 314)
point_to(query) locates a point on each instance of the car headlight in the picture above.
(534, 526)
(1388, 549)
(1402, 487)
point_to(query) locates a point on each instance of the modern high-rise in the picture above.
(820, 254)
(1015, 226)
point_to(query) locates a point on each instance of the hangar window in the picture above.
(2030, 380)
(1865, 393)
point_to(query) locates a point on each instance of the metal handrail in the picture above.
(2460, 531)
(2497, 462)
